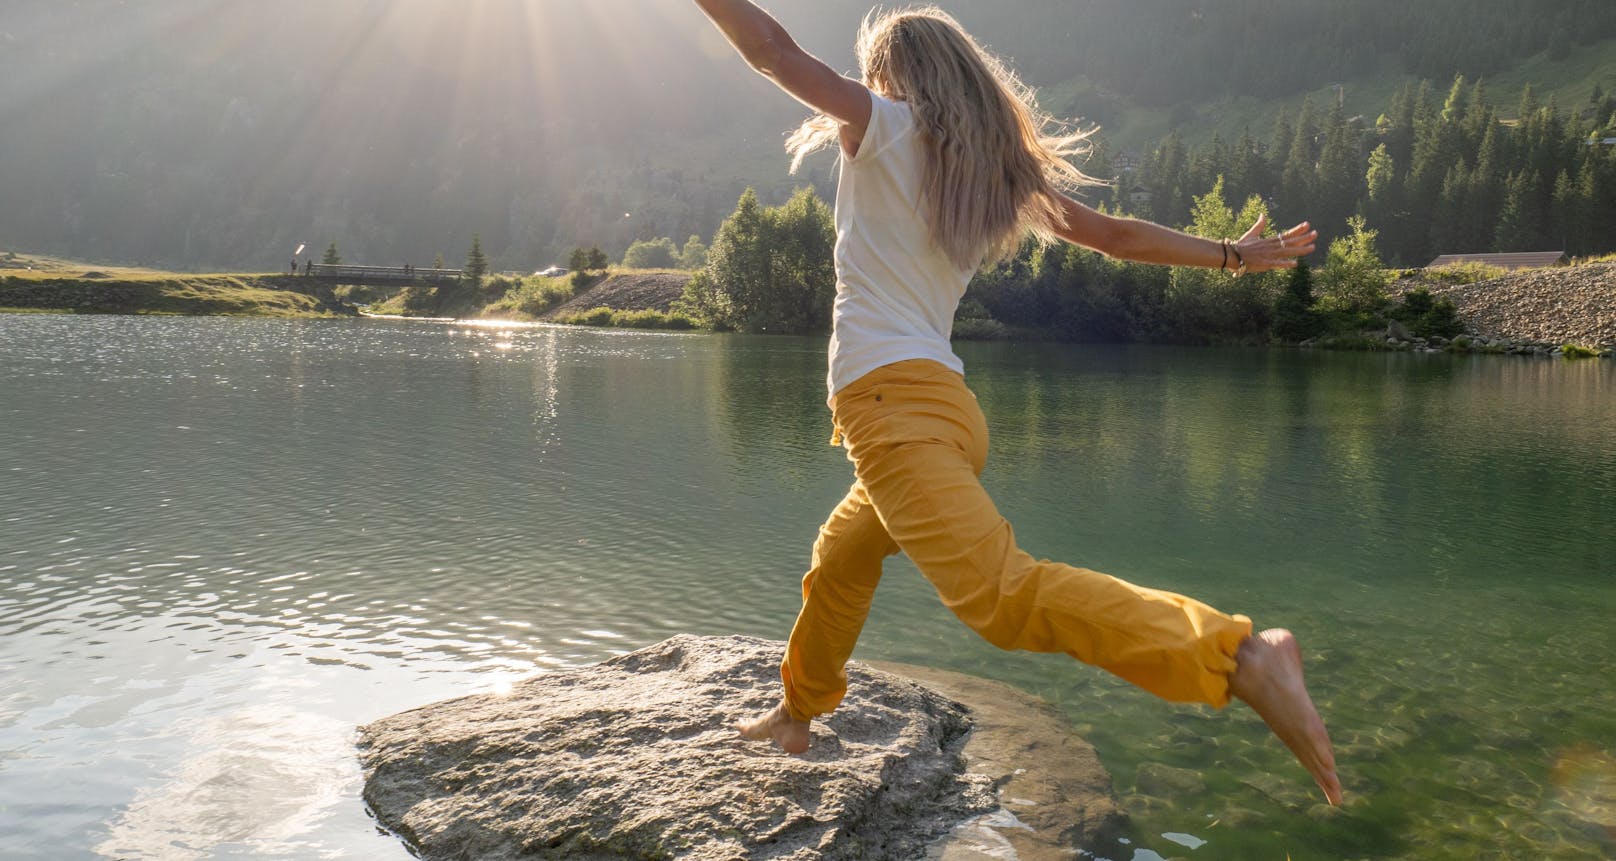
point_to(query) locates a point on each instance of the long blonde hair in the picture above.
(995, 163)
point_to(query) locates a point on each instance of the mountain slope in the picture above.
(189, 133)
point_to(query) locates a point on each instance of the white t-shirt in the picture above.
(896, 291)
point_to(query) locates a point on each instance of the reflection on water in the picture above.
(225, 543)
(258, 778)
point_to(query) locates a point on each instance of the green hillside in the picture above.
(1569, 80)
(189, 135)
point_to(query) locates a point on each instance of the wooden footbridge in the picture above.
(343, 273)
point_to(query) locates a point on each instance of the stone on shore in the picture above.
(637, 758)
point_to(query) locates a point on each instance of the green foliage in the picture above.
(495, 287)
(1428, 317)
(645, 319)
(590, 259)
(437, 262)
(1461, 273)
(973, 322)
(1295, 318)
(1353, 279)
(1578, 351)
(769, 269)
(1207, 304)
(575, 179)
(538, 295)
(980, 329)
(332, 257)
(418, 300)
(657, 253)
(1437, 175)
(476, 261)
(694, 255)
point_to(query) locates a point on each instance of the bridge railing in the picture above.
(384, 273)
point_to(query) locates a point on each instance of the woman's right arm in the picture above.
(1146, 242)
(770, 50)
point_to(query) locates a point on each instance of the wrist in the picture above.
(1239, 259)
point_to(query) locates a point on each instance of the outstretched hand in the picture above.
(1263, 253)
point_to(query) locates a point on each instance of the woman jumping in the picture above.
(946, 163)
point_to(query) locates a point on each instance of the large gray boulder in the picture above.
(636, 758)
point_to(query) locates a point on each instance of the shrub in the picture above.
(417, 299)
(499, 285)
(979, 329)
(645, 319)
(1578, 351)
(651, 319)
(535, 296)
(652, 254)
(1353, 278)
(1428, 317)
(1294, 317)
(1365, 343)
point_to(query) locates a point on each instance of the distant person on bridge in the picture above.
(947, 162)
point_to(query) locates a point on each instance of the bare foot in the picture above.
(1269, 679)
(777, 724)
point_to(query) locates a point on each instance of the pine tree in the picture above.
(332, 256)
(1248, 170)
(1399, 137)
(1568, 213)
(1167, 182)
(1337, 180)
(1451, 231)
(1519, 220)
(1294, 316)
(476, 262)
(1296, 180)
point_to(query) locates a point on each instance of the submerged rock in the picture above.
(636, 758)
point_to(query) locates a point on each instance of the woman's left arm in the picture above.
(1146, 242)
(769, 49)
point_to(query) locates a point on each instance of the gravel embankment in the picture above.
(1565, 305)
(650, 291)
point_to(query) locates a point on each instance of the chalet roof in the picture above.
(1516, 260)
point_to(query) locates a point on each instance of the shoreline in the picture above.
(140, 292)
(134, 292)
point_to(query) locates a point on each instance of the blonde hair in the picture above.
(995, 163)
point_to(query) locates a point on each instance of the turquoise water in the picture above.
(226, 543)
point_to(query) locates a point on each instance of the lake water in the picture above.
(225, 543)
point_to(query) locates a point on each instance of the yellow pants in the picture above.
(918, 441)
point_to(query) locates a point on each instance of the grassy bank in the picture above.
(39, 284)
(618, 297)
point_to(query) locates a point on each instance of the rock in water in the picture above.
(637, 758)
